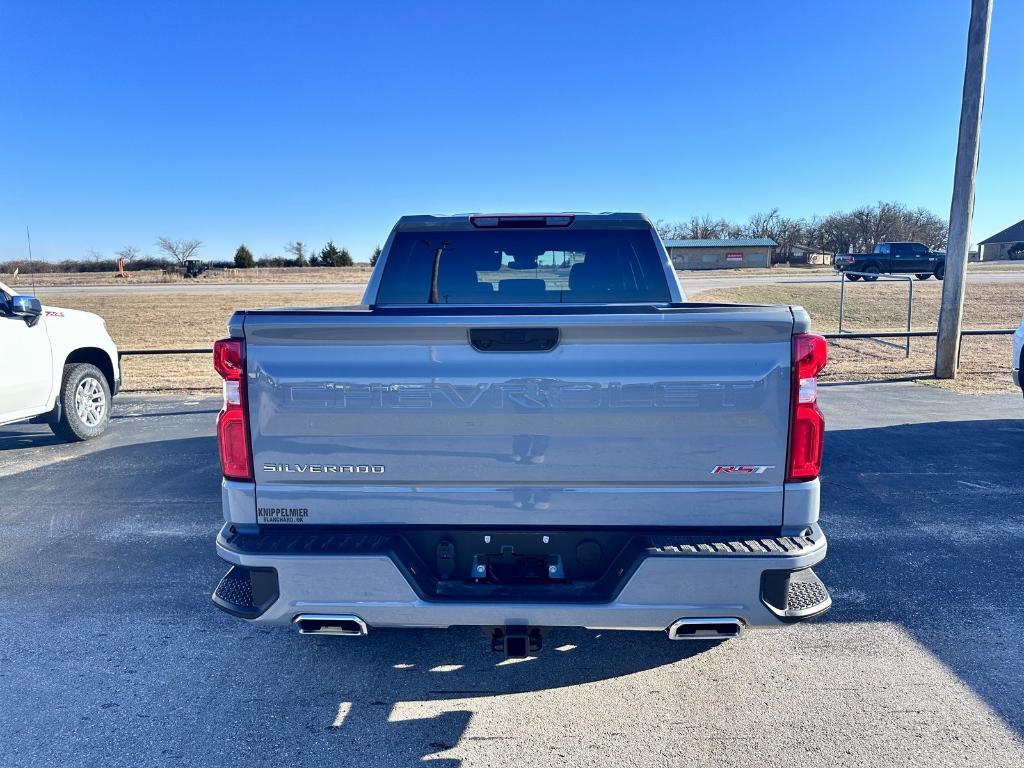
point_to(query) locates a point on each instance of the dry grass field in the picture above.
(360, 273)
(155, 321)
(985, 361)
(176, 321)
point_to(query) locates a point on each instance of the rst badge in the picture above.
(740, 469)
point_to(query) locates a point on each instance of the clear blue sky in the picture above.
(265, 123)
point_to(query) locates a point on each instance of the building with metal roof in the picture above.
(1008, 244)
(721, 253)
(721, 242)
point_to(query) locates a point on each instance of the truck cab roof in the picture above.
(456, 221)
(513, 259)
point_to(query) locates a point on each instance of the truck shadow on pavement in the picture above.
(401, 696)
(125, 536)
(926, 530)
(925, 522)
(40, 435)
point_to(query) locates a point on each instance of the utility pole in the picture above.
(961, 209)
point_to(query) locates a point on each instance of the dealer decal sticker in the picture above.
(281, 514)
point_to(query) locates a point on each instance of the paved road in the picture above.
(112, 654)
(692, 283)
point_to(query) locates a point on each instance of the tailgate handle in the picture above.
(513, 339)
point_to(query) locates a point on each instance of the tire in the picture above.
(855, 278)
(84, 403)
(871, 272)
(940, 271)
(924, 276)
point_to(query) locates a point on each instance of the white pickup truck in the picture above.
(60, 367)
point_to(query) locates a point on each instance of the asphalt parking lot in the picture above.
(113, 655)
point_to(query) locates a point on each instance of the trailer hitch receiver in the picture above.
(517, 641)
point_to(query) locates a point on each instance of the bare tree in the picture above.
(835, 233)
(696, 228)
(861, 228)
(763, 224)
(788, 233)
(707, 227)
(857, 230)
(928, 228)
(298, 250)
(179, 250)
(670, 230)
(95, 255)
(129, 253)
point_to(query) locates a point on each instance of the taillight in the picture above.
(232, 429)
(807, 424)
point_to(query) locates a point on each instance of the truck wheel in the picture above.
(855, 278)
(940, 271)
(84, 403)
(923, 277)
(871, 272)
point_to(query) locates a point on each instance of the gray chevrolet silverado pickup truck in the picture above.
(523, 426)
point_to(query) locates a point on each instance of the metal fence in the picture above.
(844, 335)
(872, 276)
(125, 352)
(880, 336)
(853, 335)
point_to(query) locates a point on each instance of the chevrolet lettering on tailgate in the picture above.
(524, 426)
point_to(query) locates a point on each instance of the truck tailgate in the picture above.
(371, 417)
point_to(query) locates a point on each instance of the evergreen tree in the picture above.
(375, 256)
(330, 256)
(244, 258)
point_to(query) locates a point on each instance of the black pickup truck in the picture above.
(893, 258)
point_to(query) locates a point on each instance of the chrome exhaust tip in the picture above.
(705, 629)
(325, 624)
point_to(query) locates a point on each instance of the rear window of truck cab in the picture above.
(524, 266)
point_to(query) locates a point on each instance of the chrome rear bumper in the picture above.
(666, 585)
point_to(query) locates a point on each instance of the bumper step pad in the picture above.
(774, 546)
(794, 595)
(287, 541)
(246, 592)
